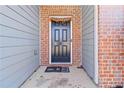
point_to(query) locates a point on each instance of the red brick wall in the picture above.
(47, 11)
(111, 45)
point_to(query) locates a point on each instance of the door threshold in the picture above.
(61, 63)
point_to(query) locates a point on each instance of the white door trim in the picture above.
(50, 38)
(96, 43)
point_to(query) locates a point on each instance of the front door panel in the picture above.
(60, 40)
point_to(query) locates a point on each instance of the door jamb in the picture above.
(50, 38)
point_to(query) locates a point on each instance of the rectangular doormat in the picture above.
(57, 69)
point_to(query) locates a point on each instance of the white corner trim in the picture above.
(50, 38)
(39, 36)
(96, 43)
(81, 29)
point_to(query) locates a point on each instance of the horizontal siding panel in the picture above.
(6, 62)
(15, 41)
(88, 36)
(19, 16)
(19, 44)
(6, 31)
(32, 10)
(88, 28)
(5, 20)
(32, 13)
(17, 77)
(88, 39)
(88, 23)
(31, 17)
(13, 69)
(8, 52)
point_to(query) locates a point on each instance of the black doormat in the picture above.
(57, 69)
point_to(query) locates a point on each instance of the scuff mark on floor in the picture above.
(41, 81)
(59, 83)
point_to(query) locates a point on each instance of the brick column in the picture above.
(111, 46)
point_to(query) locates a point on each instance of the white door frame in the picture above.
(50, 38)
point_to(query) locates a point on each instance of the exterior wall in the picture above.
(47, 11)
(19, 42)
(111, 46)
(88, 40)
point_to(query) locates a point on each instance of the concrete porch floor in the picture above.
(77, 78)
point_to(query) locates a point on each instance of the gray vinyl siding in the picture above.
(88, 39)
(19, 44)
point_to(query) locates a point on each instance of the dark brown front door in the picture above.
(60, 42)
